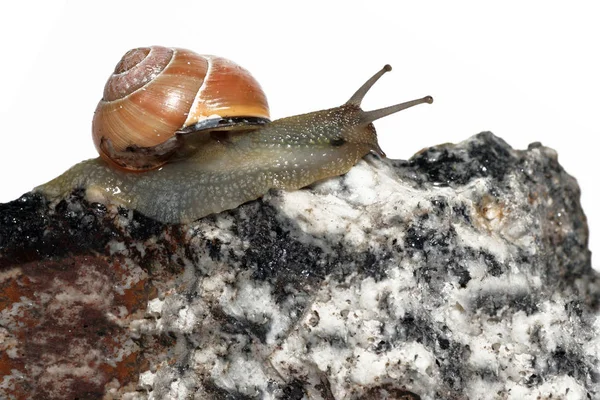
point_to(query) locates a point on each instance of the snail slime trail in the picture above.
(183, 135)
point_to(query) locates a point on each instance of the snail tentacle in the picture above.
(357, 97)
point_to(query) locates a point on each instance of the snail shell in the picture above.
(156, 93)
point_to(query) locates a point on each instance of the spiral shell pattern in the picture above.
(157, 91)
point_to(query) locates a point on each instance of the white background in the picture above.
(527, 71)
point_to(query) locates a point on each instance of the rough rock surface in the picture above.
(462, 273)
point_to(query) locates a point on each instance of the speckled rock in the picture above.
(462, 273)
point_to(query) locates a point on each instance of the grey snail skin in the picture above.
(182, 136)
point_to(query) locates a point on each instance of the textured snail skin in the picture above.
(237, 167)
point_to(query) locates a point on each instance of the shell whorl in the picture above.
(136, 68)
(156, 91)
(228, 90)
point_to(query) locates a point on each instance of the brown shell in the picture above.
(157, 91)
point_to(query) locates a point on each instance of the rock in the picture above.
(462, 273)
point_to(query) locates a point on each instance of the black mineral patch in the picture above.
(293, 391)
(237, 325)
(439, 204)
(494, 267)
(143, 228)
(569, 363)
(490, 156)
(449, 165)
(494, 303)
(30, 232)
(219, 393)
(382, 347)
(214, 249)
(389, 391)
(461, 213)
(344, 261)
(22, 223)
(450, 356)
(463, 275)
(417, 237)
(412, 327)
(437, 166)
(274, 255)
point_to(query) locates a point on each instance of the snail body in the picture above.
(209, 172)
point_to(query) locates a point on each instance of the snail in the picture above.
(182, 136)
